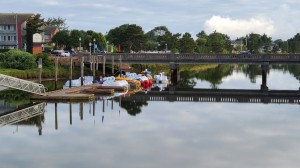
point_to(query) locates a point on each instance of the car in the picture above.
(65, 54)
(245, 52)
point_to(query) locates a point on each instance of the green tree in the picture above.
(34, 25)
(187, 44)
(62, 39)
(129, 36)
(57, 22)
(294, 44)
(254, 42)
(219, 43)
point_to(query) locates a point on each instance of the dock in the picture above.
(79, 93)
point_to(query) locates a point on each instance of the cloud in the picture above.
(239, 27)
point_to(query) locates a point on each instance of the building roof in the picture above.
(11, 18)
(50, 29)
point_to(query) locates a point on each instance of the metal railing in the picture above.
(21, 84)
(23, 114)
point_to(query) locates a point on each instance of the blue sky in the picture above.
(236, 18)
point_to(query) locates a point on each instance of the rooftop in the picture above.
(11, 18)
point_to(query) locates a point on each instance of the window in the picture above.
(46, 37)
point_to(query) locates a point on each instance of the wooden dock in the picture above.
(80, 93)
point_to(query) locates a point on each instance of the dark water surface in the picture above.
(162, 133)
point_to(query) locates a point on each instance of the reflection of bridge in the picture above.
(219, 95)
(21, 84)
(23, 114)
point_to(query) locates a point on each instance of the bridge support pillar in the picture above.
(264, 71)
(175, 74)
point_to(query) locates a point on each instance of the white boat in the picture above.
(111, 81)
(161, 78)
(87, 80)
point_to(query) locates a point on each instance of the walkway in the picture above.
(21, 84)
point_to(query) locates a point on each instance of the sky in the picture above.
(236, 18)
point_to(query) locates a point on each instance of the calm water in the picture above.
(162, 133)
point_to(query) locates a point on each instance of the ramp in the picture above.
(21, 84)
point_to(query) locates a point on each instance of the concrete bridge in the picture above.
(219, 95)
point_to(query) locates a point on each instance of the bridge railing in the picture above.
(197, 58)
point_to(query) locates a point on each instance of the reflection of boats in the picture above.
(87, 80)
(161, 86)
(161, 78)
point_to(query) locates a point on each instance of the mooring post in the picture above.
(56, 71)
(94, 68)
(40, 65)
(81, 69)
(97, 63)
(113, 64)
(71, 72)
(103, 65)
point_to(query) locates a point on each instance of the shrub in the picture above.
(16, 59)
(45, 59)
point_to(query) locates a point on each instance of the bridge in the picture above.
(167, 58)
(21, 84)
(219, 95)
(20, 115)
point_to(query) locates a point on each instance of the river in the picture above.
(134, 134)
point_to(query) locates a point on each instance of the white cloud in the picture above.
(239, 27)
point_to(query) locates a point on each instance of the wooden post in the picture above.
(94, 70)
(113, 65)
(71, 72)
(120, 68)
(40, 65)
(82, 69)
(97, 63)
(103, 66)
(56, 71)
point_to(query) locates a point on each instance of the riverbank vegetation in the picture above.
(25, 65)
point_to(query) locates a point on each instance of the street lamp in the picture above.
(94, 40)
(166, 47)
(79, 43)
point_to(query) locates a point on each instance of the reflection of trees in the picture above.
(212, 75)
(251, 71)
(15, 97)
(133, 108)
(292, 69)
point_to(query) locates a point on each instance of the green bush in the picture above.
(45, 59)
(16, 59)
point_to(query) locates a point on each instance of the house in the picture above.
(49, 32)
(12, 33)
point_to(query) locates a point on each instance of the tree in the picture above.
(254, 42)
(62, 39)
(294, 44)
(34, 25)
(57, 22)
(187, 44)
(129, 36)
(219, 43)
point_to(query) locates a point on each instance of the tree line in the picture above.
(132, 38)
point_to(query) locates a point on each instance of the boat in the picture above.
(111, 81)
(87, 80)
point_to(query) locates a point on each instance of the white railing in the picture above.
(21, 84)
